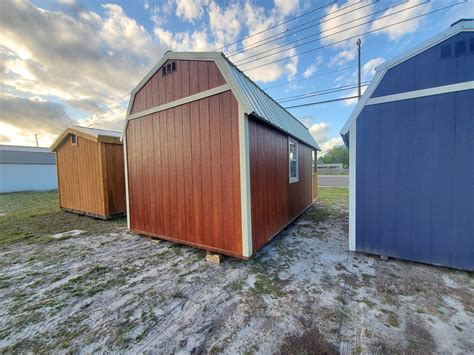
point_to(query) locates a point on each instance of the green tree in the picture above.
(336, 155)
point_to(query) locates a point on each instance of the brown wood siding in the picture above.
(275, 202)
(189, 78)
(114, 178)
(184, 175)
(80, 176)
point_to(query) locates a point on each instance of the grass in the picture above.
(333, 195)
(34, 216)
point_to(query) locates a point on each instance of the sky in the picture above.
(75, 62)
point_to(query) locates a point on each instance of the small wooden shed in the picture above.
(213, 161)
(90, 172)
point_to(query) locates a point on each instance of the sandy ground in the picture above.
(304, 293)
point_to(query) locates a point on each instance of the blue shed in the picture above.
(411, 149)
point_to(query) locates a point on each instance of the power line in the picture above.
(274, 26)
(107, 109)
(331, 34)
(321, 93)
(311, 77)
(234, 52)
(352, 37)
(323, 102)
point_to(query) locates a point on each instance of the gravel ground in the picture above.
(303, 293)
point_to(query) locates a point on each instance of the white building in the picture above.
(27, 169)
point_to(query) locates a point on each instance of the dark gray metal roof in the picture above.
(26, 155)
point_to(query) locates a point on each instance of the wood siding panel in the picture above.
(275, 202)
(91, 177)
(115, 178)
(196, 171)
(189, 78)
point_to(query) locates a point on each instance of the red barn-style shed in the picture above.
(211, 160)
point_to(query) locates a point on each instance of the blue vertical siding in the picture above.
(415, 179)
(427, 69)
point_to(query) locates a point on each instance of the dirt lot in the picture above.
(110, 290)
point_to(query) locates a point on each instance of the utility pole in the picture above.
(36, 137)
(358, 52)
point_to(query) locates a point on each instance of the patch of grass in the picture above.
(392, 318)
(35, 216)
(236, 286)
(267, 285)
(333, 195)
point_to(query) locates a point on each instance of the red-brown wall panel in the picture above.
(189, 78)
(275, 202)
(184, 175)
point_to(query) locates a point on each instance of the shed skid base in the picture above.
(93, 215)
(207, 248)
(213, 258)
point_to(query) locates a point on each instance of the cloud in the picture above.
(74, 58)
(286, 7)
(225, 23)
(329, 144)
(398, 31)
(343, 57)
(368, 69)
(33, 115)
(333, 23)
(311, 69)
(190, 10)
(354, 92)
(4, 139)
(321, 133)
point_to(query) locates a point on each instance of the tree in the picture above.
(336, 155)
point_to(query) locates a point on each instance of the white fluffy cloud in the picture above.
(321, 133)
(190, 9)
(368, 69)
(80, 58)
(343, 57)
(336, 28)
(287, 7)
(394, 16)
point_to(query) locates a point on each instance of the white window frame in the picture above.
(296, 178)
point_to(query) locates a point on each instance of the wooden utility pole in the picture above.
(36, 137)
(358, 52)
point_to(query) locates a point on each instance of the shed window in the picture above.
(73, 139)
(168, 69)
(293, 160)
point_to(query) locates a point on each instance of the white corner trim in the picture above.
(438, 90)
(125, 164)
(182, 101)
(245, 201)
(352, 185)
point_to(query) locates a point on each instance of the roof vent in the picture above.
(463, 20)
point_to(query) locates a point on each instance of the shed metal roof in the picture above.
(254, 100)
(94, 134)
(26, 155)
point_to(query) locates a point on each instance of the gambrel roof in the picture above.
(457, 27)
(254, 100)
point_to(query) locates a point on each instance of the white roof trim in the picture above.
(383, 68)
